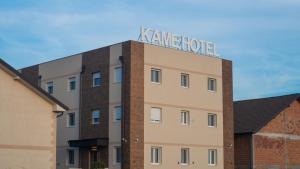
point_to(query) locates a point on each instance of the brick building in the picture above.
(135, 105)
(267, 133)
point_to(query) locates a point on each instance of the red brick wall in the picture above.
(271, 149)
(133, 100)
(242, 151)
(228, 115)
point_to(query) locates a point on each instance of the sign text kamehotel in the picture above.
(171, 40)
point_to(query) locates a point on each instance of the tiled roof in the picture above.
(251, 115)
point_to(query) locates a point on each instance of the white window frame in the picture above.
(115, 113)
(185, 117)
(116, 70)
(71, 79)
(187, 78)
(214, 116)
(209, 81)
(93, 119)
(160, 115)
(68, 119)
(50, 84)
(159, 75)
(116, 155)
(210, 162)
(68, 157)
(153, 152)
(96, 77)
(187, 150)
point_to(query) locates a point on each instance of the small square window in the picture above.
(72, 83)
(155, 114)
(71, 157)
(71, 119)
(212, 157)
(185, 156)
(118, 113)
(50, 87)
(95, 117)
(96, 79)
(212, 84)
(185, 117)
(185, 80)
(212, 120)
(156, 155)
(118, 74)
(155, 75)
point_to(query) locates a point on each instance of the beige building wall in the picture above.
(172, 98)
(114, 100)
(59, 71)
(28, 130)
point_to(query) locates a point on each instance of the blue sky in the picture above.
(261, 37)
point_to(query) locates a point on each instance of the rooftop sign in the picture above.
(171, 40)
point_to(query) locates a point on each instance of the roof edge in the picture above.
(34, 87)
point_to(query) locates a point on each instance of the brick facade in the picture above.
(242, 151)
(93, 98)
(133, 100)
(31, 74)
(228, 115)
(277, 144)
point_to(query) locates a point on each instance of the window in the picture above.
(95, 117)
(155, 155)
(117, 154)
(72, 83)
(212, 84)
(71, 159)
(155, 114)
(96, 79)
(212, 157)
(50, 87)
(185, 117)
(71, 119)
(185, 156)
(212, 120)
(118, 74)
(156, 75)
(185, 80)
(118, 113)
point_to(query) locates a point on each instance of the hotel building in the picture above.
(135, 105)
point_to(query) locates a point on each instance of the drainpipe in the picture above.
(123, 139)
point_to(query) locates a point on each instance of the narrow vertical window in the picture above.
(212, 120)
(185, 80)
(96, 79)
(156, 155)
(117, 155)
(155, 75)
(212, 157)
(118, 113)
(71, 157)
(72, 83)
(155, 115)
(50, 87)
(71, 119)
(95, 117)
(212, 84)
(118, 74)
(185, 117)
(185, 156)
